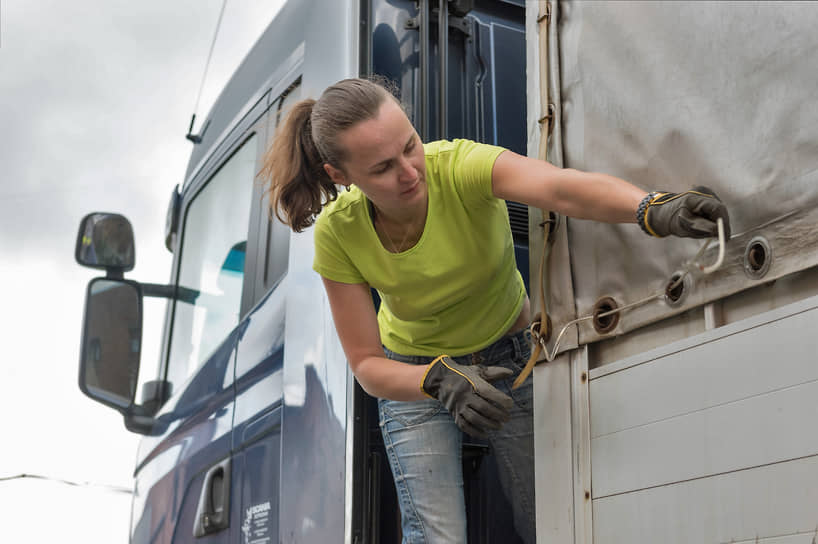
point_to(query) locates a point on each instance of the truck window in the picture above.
(278, 234)
(213, 252)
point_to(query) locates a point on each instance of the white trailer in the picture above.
(692, 416)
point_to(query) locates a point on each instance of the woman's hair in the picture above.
(293, 166)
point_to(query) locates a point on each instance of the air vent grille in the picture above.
(518, 218)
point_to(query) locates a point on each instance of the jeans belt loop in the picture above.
(516, 342)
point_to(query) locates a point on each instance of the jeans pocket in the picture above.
(408, 413)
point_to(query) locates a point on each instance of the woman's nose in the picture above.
(407, 171)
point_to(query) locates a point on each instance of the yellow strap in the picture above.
(545, 131)
(529, 366)
(543, 322)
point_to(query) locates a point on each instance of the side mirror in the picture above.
(106, 240)
(111, 342)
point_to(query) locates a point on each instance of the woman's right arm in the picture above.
(357, 327)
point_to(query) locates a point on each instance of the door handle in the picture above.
(213, 512)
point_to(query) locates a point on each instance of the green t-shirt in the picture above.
(458, 289)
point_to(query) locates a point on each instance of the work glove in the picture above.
(691, 214)
(466, 392)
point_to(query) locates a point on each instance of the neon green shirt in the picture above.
(458, 289)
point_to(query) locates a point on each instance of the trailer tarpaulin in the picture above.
(670, 95)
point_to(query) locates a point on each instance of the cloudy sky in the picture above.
(95, 100)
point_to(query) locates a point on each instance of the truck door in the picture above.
(259, 366)
(185, 473)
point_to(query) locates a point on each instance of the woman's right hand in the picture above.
(466, 391)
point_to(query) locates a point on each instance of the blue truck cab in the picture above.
(254, 428)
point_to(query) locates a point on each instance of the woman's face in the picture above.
(385, 159)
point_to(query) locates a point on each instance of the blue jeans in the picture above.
(424, 446)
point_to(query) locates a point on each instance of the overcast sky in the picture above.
(95, 100)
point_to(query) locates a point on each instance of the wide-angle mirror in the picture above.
(105, 240)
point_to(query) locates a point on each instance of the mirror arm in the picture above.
(141, 424)
(114, 273)
(154, 395)
(159, 290)
(139, 419)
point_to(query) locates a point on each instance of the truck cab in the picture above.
(254, 428)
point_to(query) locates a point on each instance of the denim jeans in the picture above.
(424, 447)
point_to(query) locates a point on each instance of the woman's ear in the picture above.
(336, 175)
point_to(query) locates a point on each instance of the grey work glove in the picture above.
(465, 391)
(691, 214)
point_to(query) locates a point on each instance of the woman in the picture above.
(427, 227)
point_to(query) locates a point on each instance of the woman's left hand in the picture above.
(692, 214)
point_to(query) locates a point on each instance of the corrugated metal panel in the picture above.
(771, 501)
(763, 429)
(711, 438)
(736, 362)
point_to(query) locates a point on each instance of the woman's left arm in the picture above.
(583, 195)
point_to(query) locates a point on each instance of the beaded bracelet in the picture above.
(642, 210)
